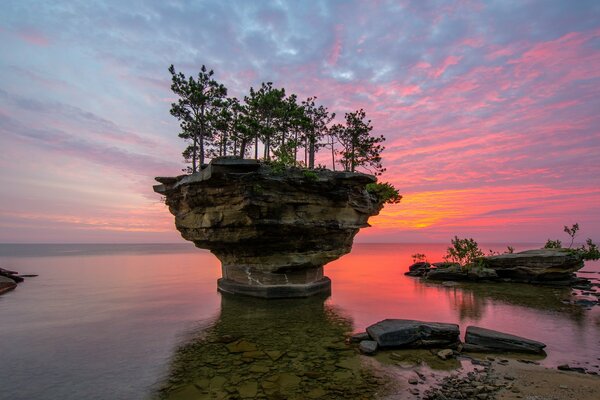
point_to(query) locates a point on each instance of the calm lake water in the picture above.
(143, 321)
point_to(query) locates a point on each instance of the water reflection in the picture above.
(289, 349)
(472, 300)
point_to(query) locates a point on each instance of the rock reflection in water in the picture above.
(472, 300)
(275, 349)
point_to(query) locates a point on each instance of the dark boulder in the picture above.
(490, 340)
(418, 269)
(451, 273)
(411, 333)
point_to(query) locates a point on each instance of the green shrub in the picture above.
(419, 257)
(553, 244)
(385, 192)
(310, 176)
(589, 251)
(465, 252)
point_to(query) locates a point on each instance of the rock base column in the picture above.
(254, 282)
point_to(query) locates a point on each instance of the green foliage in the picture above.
(197, 109)
(359, 148)
(465, 252)
(553, 244)
(310, 176)
(258, 189)
(419, 257)
(216, 125)
(589, 251)
(385, 192)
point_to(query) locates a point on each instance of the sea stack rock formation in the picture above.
(273, 229)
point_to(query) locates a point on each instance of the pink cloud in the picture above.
(33, 36)
(334, 53)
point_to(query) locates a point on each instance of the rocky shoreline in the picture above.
(505, 379)
(547, 267)
(10, 279)
(492, 371)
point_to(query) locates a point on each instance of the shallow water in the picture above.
(141, 321)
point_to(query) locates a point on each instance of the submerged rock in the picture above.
(445, 354)
(273, 231)
(489, 340)
(411, 333)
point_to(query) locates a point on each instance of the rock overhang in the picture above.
(270, 227)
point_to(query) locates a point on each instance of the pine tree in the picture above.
(197, 110)
(316, 127)
(359, 148)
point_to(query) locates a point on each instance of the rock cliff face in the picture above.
(273, 231)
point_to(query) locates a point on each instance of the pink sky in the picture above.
(490, 110)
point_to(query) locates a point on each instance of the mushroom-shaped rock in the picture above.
(273, 231)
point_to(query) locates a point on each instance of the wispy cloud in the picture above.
(489, 108)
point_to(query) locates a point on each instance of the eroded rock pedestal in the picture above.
(272, 230)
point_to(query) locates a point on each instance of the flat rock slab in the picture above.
(500, 341)
(411, 333)
(539, 264)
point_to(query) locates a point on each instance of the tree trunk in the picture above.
(332, 153)
(201, 151)
(295, 145)
(352, 158)
(311, 153)
(243, 148)
(256, 148)
(201, 137)
(194, 152)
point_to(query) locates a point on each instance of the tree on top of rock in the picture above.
(359, 148)
(197, 109)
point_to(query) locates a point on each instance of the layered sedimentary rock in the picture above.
(550, 266)
(541, 265)
(272, 230)
(481, 339)
(410, 333)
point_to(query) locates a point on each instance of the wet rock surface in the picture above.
(271, 349)
(9, 279)
(490, 340)
(270, 228)
(411, 333)
(475, 385)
